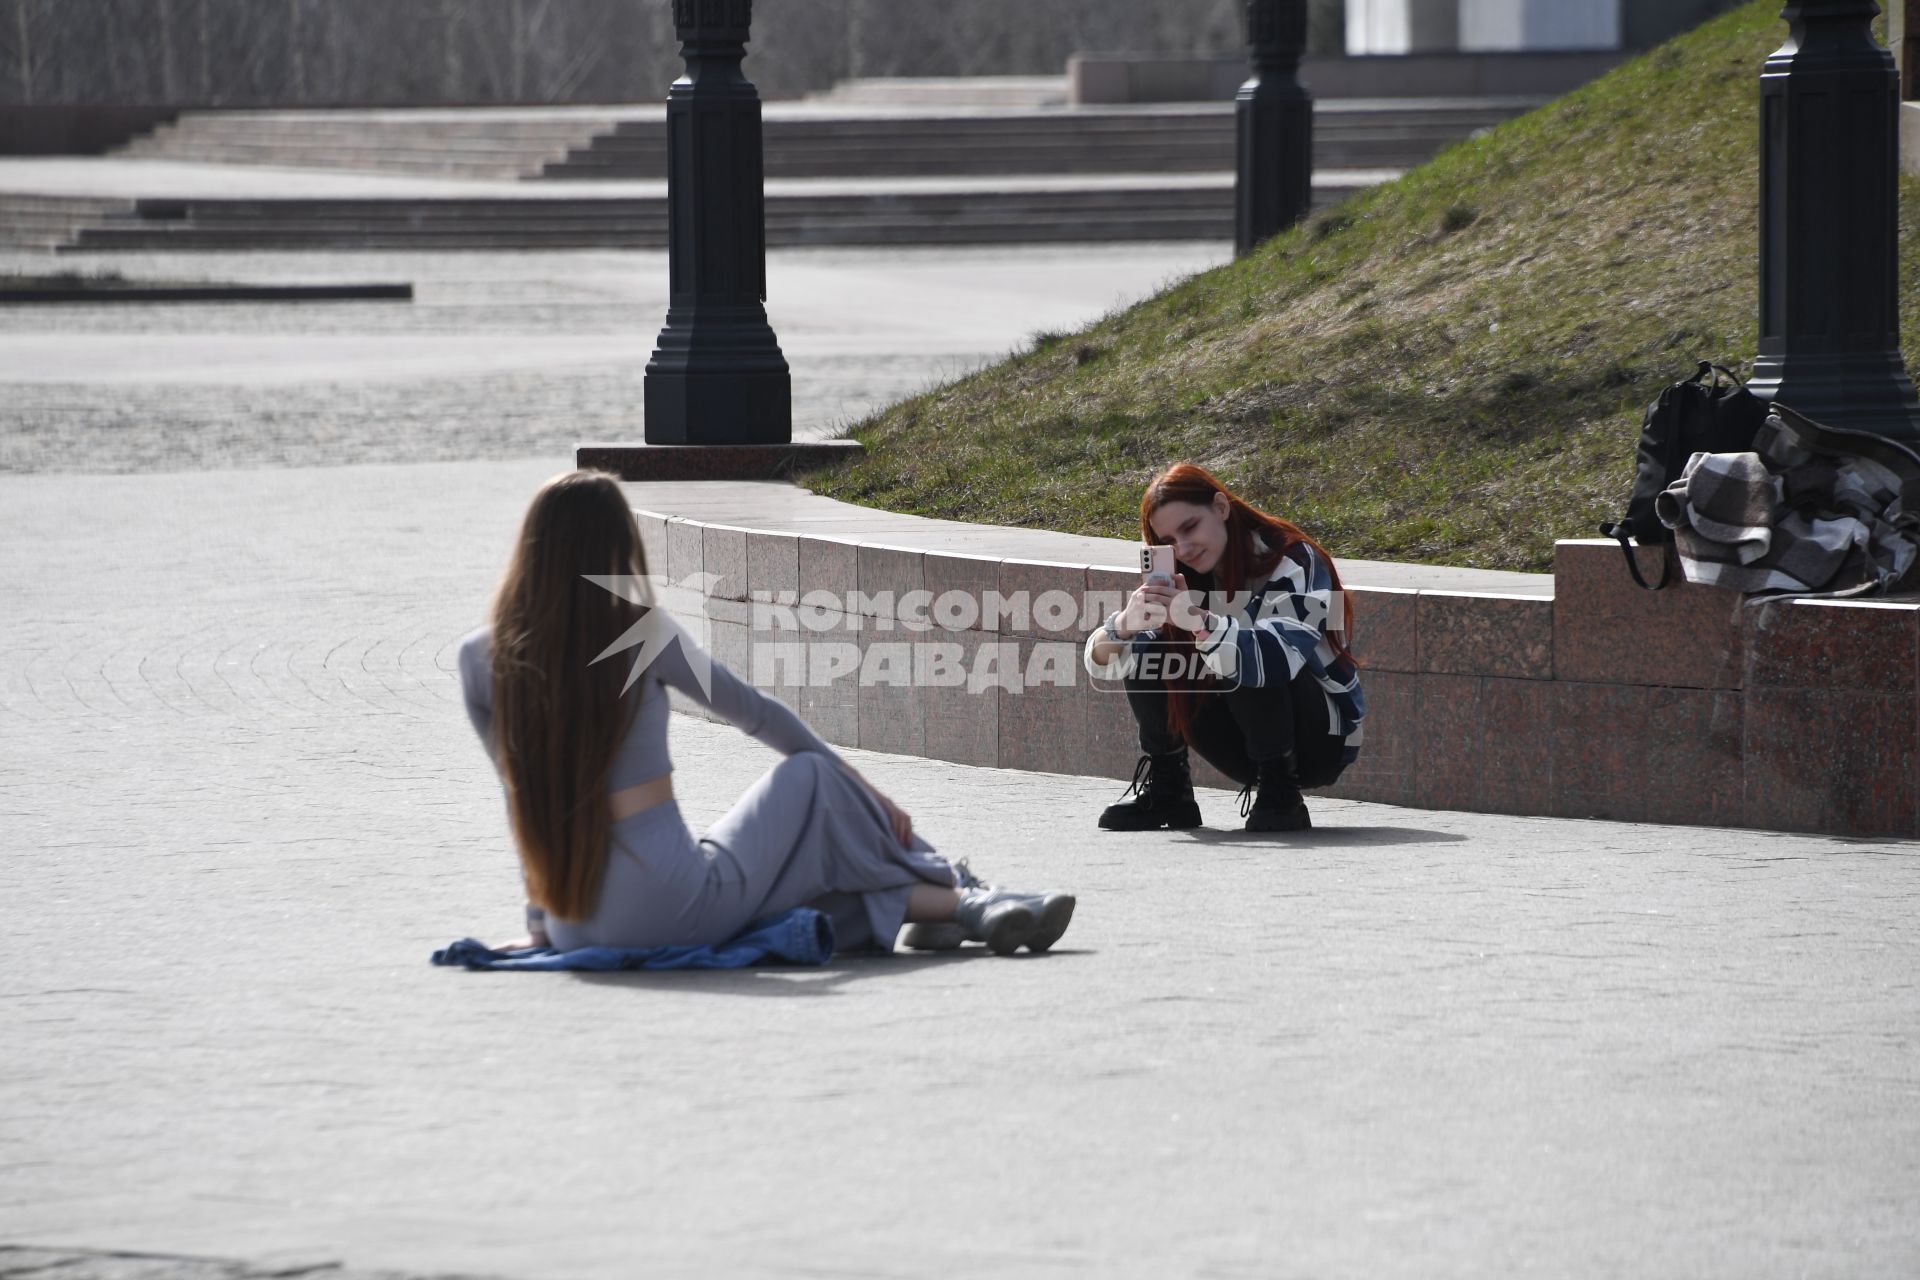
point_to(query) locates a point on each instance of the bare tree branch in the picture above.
(251, 52)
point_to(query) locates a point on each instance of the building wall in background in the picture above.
(1378, 26)
(458, 52)
(1488, 26)
(1443, 26)
(1402, 26)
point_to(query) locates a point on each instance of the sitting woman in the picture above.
(581, 750)
(1276, 704)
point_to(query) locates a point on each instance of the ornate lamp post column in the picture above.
(1275, 117)
(717, 375)
(719, 400)
(1829, 237)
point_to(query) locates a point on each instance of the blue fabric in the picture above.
(799, 936)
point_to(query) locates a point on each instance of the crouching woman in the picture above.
(1243, 658)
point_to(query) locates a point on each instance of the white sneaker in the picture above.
(943, 935)
(1004, 919)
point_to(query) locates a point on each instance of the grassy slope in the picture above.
(1447, 369)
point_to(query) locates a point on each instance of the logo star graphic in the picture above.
(656, 629)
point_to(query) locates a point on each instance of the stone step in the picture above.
(22, 229)
(646, 163)
(483, 125)
(850, 228)
(485, 145)
(412, 212)
(34, 223)
(425, 164)
(278, 150)
(480, 122)
(201, 128)
(615, 146)
(24, 202)
(1214, 227)
(947, 91)
(919, 218)
(1185, 141)
(654, 226)
(1166, 135)
(1006, 126)
(464, 150)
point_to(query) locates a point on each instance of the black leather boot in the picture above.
(1278, 806)
(1163, 797)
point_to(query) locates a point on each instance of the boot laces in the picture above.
(1152, 782)
(963, 877)
(1280, 778)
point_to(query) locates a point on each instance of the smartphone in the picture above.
(1156, 563)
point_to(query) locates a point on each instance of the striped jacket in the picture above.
(1273, 634)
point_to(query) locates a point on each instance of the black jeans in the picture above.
(1234, 730)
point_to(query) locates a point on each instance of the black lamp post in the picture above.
(718, 396)
(1274, 113)
(1829, 234)
(717, 375)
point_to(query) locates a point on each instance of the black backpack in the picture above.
(1698, 415)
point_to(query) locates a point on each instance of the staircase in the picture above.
(1196, 211)
(45, 222)
(487, 145)
(1353, 134)
(982, 164)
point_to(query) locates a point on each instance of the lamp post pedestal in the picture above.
(1274, 117)
(718, 394)
(1829, 225)
(717, 375)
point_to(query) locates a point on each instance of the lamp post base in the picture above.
(718, 406)
(1273, 188)
(1859, 392)
(715, 461)
(1829, 225)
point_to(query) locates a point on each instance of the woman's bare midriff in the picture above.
(631, 800)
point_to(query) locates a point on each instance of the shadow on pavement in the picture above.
(1325, 837)
(789, 980)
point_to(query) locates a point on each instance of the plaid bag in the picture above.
(1696, 415)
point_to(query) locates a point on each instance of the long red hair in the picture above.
(1240, 568)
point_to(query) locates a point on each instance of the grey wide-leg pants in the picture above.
(806, 834)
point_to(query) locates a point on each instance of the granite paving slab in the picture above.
(242, 803)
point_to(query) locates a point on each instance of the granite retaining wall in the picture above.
(1599, 701)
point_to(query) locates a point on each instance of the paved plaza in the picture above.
(242, 804)
(500, 355)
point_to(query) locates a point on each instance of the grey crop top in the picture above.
(642, 755)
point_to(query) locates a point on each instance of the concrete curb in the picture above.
(1601, 700)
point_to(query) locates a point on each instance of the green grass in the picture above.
(1447, 369)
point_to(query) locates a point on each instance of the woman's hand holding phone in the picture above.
(1149, 605)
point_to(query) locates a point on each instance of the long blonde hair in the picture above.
(558, 716)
